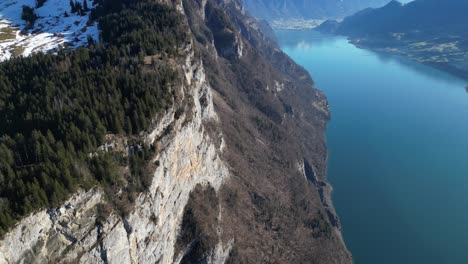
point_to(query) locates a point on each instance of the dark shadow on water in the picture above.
(386, 243)
(428, 71)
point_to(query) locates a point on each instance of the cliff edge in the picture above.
(239, 174)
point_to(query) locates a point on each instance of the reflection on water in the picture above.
(398, 144)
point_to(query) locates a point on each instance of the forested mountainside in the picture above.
(182, 135)
(57, 109)
(311, 9)
(429, 31)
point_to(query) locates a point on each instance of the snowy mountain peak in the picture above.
(31, 26)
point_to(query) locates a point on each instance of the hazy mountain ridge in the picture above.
(303, 9)
(429, 31)
(427, 17)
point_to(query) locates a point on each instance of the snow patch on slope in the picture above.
(52, 30)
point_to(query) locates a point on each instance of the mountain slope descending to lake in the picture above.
(183, 136)
(429, 31)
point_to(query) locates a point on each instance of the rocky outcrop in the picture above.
(240, 170)
(188, 157)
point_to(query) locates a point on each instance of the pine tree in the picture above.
(72, 6)
(128, 126)
(90, 40)
(40, 3)
(85, 6)
(79, 8)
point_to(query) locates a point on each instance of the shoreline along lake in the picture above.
(398, 150)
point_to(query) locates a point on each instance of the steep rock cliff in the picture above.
(240, 174)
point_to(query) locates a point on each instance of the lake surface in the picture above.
(398, 151)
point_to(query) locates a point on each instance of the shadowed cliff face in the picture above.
(240, 170)
(276, 205)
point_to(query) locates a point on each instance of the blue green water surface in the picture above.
(398, 143)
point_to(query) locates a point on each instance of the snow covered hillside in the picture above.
(55, 26)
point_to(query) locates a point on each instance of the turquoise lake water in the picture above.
(398, 151)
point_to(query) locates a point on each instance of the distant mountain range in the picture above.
(308, 9)
(429, 17)
(430, 31)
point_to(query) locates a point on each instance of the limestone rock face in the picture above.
(39, 237)
(188, 157)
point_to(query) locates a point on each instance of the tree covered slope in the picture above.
(56, 109)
